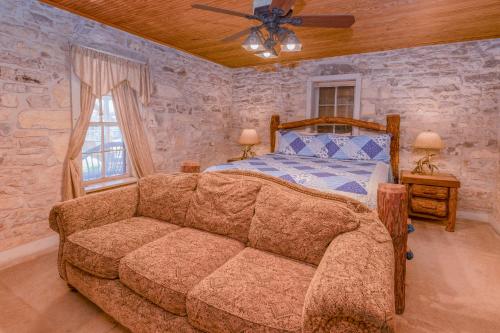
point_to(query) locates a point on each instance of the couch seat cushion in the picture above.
(223, 204)
(255, 291)
(165, 270)
(98, 250)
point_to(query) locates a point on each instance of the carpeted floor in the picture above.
(453, 285)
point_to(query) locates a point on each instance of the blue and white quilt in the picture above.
(354, 178)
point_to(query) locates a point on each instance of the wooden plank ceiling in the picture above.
(380, 25)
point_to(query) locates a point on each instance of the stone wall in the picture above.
(188, 118)
(452, 89)
(496, 204)
(198, 107)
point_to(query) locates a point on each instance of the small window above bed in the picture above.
(334, 96)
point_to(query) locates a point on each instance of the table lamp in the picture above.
(248, 139)
(429, 141)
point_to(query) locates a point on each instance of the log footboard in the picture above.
(392, 211)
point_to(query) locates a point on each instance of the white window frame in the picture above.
(333, 81)
(102, 124)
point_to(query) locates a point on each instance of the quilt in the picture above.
(357, 179)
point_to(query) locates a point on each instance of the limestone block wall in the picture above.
(452, 89)
(188, 118)
(199, 108)
(496, 203)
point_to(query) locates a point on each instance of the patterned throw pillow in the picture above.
(359, 147)
(294, 143)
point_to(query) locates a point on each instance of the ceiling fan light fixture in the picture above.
(268, 54)
(291, 43)
(253, 43)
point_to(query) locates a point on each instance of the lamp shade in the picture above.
(428, 140)
(249, 136)
(291, 43)
(254, 42)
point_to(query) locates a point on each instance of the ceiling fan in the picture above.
(273, 15)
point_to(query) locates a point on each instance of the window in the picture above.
(104, 155)
(334, 96)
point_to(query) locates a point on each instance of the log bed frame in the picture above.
(391, 198)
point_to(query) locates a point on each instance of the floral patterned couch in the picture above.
(228, 252)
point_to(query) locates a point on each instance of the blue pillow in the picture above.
(294, 143)
(359, 147)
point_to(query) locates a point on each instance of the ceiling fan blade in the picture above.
(326, 21)
(284, 5)
(237, 35)
(220, 10)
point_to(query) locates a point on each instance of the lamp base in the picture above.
(247, 152)
(425, 166)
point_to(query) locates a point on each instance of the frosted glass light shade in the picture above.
(249, 136)
(428, 140)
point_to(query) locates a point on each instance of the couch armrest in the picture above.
(94, 210)
(353, 287)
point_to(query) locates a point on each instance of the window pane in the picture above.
(108, 109)
(345, 95)
(343, 129)
(95, 113)
(115, 155)
(112, 136)
(345, 111)
(324, 129)
(326, 96)
(326, 111)
(115, 162)
(103, 152)
(91, 166)
(92, 143)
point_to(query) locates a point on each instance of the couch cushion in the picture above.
(166, 196)
(98, 250)
(165, 270)
(223, 204)
(255, 291)
(296, 225)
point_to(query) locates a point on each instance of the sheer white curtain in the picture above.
(100, 73)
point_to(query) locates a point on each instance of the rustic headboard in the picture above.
(392, 128)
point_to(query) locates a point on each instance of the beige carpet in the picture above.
(453, 285)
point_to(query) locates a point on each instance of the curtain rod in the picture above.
(111, 54)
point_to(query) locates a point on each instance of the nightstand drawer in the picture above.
(429, 206)
(427, 191)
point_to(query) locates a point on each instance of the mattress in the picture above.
(357, 179)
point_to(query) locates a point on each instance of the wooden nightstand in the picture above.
(432, 197)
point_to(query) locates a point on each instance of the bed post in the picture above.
(392, 128)
(275, 122)
(392, 207)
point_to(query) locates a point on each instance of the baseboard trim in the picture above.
(25, 252)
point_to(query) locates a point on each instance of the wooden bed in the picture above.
(391, 198)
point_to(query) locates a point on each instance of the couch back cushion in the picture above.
(166, 196)
(297, 225)
(223, 204)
